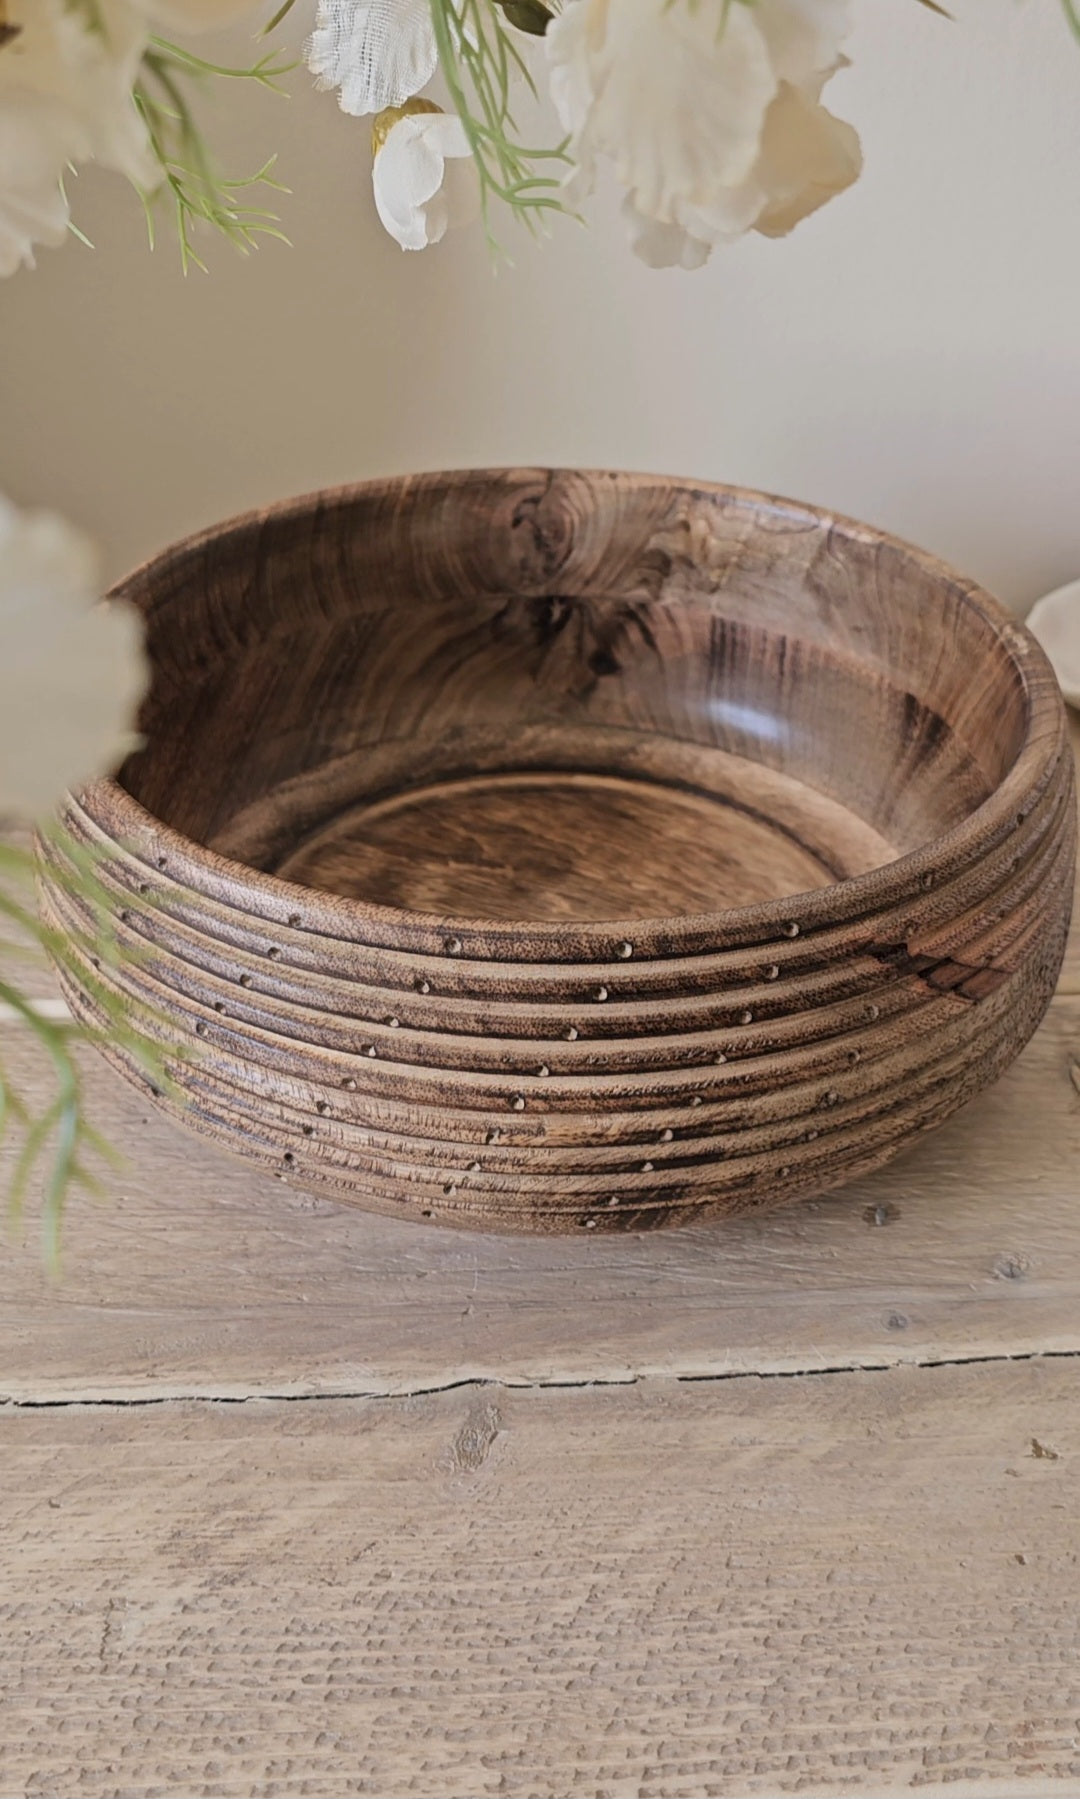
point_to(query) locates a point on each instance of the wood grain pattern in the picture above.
(857, 1583)
(479, 690)
(200, 1274)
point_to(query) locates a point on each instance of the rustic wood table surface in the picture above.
(301, 1502)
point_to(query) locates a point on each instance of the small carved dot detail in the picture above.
(791, 930)
(294, 918)
(393, 1023)
(772, 973)
(308, 1130)
(493, 1137)
(667, 1136)
(571, 1035)
(543, 1070)
(273, 952)
(245, 980)
(625, 951)
(873, 1012)
(696, 1099)
(588, 1224)
(423, 986)
(349, 1085)
(601, 993)
(454, 946)
(518, 1102)
(200, 1029)
(321, 1107)
(746, 1017)
(647, 1167)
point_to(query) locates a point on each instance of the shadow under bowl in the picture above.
(551, 850)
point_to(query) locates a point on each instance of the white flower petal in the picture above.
(663, 246)
(424, 178)
(676, 94)
(36, 143)
(72, 669)
(1055, 620)
(807, 156)
(378, 52)
(803, 36)
(86, 77)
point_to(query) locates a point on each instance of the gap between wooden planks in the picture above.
(858, 1583)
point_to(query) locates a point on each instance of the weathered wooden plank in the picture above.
(201, 1275)
(854, 1583)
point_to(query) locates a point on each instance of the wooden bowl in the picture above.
(549, 851)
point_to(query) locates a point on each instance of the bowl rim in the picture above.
(109, 806)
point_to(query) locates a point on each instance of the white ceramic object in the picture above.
(1055, 621)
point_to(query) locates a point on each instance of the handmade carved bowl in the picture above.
(558, 851)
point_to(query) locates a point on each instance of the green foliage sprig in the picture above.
(199, 193)
(478, 60)
(57, 1141)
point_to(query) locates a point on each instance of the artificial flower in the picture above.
(710, 113)
(65, 97)
(378, 53)
(67, 73)
(424, 176)
(72, 669)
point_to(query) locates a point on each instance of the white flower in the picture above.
(424, 176)
(709, 111)
(71, 667)
(378, 52)
(66, 78)
(65, 96)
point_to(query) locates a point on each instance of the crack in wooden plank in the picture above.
(489, 1430)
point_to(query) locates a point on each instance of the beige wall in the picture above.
(911, 355)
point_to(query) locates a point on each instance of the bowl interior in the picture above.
(563, 696)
